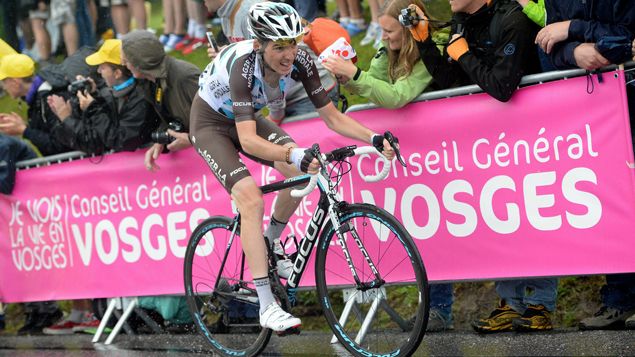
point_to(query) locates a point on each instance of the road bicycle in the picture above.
(370, 279)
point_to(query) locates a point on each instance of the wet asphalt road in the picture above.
(561, 342)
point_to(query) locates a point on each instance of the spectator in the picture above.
(17, 73)
(60, 13)
(38, 316)
(396, 74)
(571, 38)
(373, 32)
(12, 151)
(174, 24)
(492, 46)
(80, 319)
(117, 118)
(535, 11)
(307, 9)
(196, 29)
(170, 87)
(234, 16)
(120, 13)
(351, 17)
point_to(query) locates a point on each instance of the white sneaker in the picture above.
(283, 263)
(371, 34)
(277, 319)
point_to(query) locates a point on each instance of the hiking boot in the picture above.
(499, 320)
(630, 323)
(606, 318)
(437, 322)
(277, 319)
(283, 263)
(36, 321)
(535, 318)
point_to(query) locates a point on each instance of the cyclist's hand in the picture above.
(382, 145)
(152, 155)
(304, 161)
(182, 141)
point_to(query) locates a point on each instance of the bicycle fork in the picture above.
(340, 230)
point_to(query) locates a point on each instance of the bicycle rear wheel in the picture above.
(220, 292)
(387, 308)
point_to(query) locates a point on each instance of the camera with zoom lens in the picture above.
(408, 17)
(162, 137)
(81, 85)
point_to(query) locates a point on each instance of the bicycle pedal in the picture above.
(290, 331)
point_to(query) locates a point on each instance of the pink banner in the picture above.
(540, 186)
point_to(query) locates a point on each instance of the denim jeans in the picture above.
(619, 291)
(307, 9)
(441, 299)
(84, 24)
(520, 293)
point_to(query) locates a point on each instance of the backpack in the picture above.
(322, 33)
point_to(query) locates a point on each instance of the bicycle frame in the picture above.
(326, 208)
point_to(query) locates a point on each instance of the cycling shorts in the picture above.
(215, 138)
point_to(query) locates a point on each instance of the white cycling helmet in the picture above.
(273, 21)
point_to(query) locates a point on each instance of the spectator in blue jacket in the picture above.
(590, 35)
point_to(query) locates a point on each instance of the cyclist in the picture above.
(245, 77)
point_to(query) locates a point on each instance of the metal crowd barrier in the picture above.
(446, 93)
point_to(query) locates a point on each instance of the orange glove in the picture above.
(420, 31)
(458, 48)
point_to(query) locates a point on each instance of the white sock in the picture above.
(274, 230)
(265, 295)
(344, 20)
(191, 27)
(358, 21)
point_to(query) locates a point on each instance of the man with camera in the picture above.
(170, 88)
(17, 73)
(116, 117)
(491, 45)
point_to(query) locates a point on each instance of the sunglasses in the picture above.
(289, 41)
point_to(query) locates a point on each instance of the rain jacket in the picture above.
(501, 51)
(591, 21)
(375, 84)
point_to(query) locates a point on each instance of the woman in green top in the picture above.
(396, 75)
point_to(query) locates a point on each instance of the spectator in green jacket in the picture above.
(396, 75)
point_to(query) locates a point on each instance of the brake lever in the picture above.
(394, 143)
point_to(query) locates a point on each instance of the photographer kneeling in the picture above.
(112, 118)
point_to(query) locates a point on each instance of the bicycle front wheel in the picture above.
(220, 292)
(382, 309)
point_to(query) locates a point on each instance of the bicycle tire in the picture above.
(223, 313)
(407, 294)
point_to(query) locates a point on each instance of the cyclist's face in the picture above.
(280, 58)
(392, 32)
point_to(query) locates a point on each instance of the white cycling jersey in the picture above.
(233, 84)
